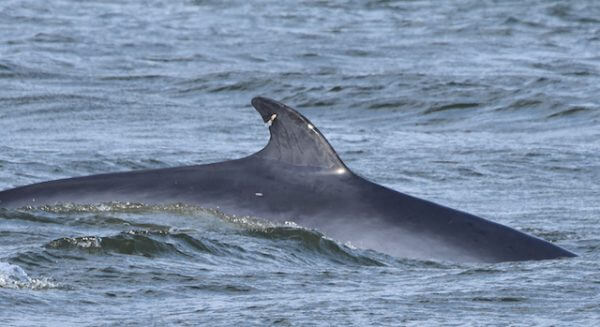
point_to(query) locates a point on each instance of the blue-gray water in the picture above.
(491, 107)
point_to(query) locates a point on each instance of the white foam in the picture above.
(350, 246)
(13, 276)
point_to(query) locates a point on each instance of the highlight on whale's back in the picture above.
(299, 177)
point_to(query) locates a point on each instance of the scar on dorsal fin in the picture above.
(294, 139)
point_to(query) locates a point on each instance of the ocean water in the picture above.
(491, 107)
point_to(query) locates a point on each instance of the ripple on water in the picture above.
(490, 104)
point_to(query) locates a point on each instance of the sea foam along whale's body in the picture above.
(299, 177)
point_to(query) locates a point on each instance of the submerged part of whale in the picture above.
(299, 177)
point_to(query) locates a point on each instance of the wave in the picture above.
(229, 240)
(311, 246)
(25, 216)
(311, 242)
(451, 106)
(569, 112)
(134, 242)
(13, 276)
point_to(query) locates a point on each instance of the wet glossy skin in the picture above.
(299, 177)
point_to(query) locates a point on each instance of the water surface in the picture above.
(487, 106)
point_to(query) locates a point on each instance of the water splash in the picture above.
(13, 276)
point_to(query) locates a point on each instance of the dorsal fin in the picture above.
(294, 139)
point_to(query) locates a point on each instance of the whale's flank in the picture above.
(298, 176)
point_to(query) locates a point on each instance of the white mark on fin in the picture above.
(271, 120)
(312, 128)
(258, 194)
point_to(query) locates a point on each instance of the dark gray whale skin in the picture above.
(299, 177)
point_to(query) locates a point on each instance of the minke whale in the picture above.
(299, 177)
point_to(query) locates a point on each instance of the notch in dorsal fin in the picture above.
(294, 139)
